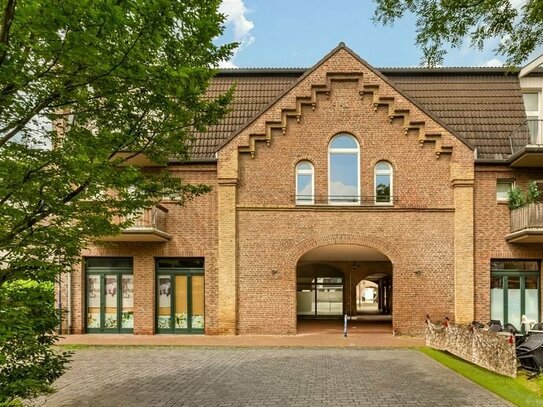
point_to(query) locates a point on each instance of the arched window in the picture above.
(304, 183)
(383, 183)
(344, 170)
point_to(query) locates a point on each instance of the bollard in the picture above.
(345, 326)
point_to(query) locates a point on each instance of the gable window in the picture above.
(304, 183)
(503, 186)
(344, 170)
(383, 183)
(531, 104)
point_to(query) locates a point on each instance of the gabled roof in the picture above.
(481, 106)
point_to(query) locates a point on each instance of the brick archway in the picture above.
(298, 250)
(292, 256)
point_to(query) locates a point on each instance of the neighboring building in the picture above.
(326, 177)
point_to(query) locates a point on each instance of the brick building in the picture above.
(328, 177)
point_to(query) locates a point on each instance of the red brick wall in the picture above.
(194, 234)
(492, 225)
(418, 231)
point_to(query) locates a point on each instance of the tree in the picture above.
(518, 25)
(81, 81)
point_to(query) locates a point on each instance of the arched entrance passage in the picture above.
(340, 279)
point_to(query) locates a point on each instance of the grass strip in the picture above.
(520, 391)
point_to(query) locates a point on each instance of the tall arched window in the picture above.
(304, 183)
(344, 170)
(383, 183)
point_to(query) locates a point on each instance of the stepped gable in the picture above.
(342, 64)
(484, 105)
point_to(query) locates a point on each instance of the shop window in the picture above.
(180, 295)
(514, 291)
(109, 295)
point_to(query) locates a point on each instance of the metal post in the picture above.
(345, 326)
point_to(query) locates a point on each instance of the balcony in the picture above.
(526, 224)
(527, 145)
(149, 227)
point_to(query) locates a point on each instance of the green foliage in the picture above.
(518, 198)
(533, 193)
(451, 22)
(28, 318)
(81, 81)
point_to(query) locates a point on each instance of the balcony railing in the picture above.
(529, 133)
(345, 200)
(527, 224)
(150, 226)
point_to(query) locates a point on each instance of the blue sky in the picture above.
(298, 33)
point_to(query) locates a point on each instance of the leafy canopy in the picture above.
(80, 81)
(517, 23)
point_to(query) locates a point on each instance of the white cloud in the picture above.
(236, 17)
(235, 11)
(493, 62)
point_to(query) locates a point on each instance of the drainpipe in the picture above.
(69, 303)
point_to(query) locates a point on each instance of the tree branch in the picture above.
(7, 21)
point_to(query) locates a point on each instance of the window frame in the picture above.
(172, 272)
(344, 151)
(536, 113)
(311, 172)
(390, 173)
(511, 183)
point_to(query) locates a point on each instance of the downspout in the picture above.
(69, 303)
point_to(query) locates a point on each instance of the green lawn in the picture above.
(519, 391)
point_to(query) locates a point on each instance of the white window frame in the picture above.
(390, 173)
(344, 151)
(311, 172)
(504, 181)
(537, 113)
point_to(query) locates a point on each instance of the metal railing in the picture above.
(528, 133)
(527, 217)
(345, 200)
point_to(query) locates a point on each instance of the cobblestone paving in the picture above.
(262, 377)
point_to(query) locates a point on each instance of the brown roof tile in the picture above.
(483, 105)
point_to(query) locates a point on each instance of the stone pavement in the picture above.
(181, 376)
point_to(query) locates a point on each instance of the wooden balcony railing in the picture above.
(527, 224)
(527, 217)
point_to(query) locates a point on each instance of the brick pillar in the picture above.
(227, 190)
(462, 179)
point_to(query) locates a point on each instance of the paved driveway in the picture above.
(262, 377)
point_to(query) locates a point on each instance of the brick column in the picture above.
(227, 256)
(462, 179)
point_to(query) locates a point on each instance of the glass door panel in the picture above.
(110, 299)
(329, 300)
(164, 286)
(513, 301)
(181, 306)
(197, 302)
(93, 301)
(127, 315)
(531, 298)
(305, 297)
(496, 299)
